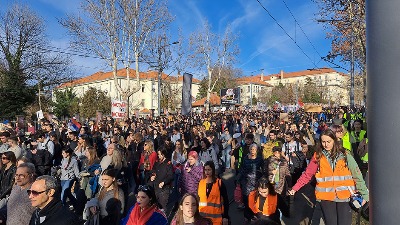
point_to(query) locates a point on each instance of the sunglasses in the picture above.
(144, 188)
(4, 158)
(35, 193)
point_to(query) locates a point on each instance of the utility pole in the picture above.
(383, 25)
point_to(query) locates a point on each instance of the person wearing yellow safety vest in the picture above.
(214, 202)
(342, 135)
(356, 136)
(264, 203)
(362, 151)
(337, 176)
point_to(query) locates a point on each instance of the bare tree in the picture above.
(118, 31)
(26, 58)
(211, 51)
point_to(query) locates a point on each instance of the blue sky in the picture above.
(262, 43)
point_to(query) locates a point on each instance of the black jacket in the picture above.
(163, 173)
(42, 161)
(54, 214)
(7, 180)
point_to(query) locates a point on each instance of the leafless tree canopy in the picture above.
(117, 31)
(210, 51)
(25, 51)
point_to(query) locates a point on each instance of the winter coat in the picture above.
(270, 165)
(7, 180)
(250, 172)
(189, 181)
(54, 214)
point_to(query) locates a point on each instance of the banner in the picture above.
(118, 109)
(230, 96)
(312, 108)
(187, 94)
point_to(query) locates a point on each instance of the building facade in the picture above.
(146, 98)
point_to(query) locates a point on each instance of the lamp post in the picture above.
(351, 57)
(160, 70)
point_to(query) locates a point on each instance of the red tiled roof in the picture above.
(302, 73)
(214, 100)
(100, 76)
(252, 79)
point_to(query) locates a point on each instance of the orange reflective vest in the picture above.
(211, 207)
(332, 184)
(270, 204)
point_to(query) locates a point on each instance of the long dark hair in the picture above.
(336, 150)
(264, 183)
(212, 165)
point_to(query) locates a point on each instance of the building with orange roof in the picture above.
(333, 82)
(145, 98)
(250, 87)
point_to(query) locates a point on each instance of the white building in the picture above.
(145, 99)
(333, 83)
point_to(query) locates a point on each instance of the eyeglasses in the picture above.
(144, 188)
(4, 158)
(21, 176)
(35, 193)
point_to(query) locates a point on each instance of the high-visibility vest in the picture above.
(240, 157)
(360, 137)
(211, 207)
(269, 207)
(332, 184)
(346, 141)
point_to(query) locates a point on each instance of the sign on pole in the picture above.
(118, 109)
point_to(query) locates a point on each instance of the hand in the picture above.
(292, 192)
(225, 221)
(34, 151)
(274, 171)
(161, 185)
(97, 172)
(363, 202)
(152, 178)
(188, 169)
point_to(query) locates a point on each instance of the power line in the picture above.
(287, 34)
(295, 20)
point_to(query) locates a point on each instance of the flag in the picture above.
(300, 102)
(74, 125)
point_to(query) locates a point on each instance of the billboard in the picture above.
(230, 96)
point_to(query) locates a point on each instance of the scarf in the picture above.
(140, 218)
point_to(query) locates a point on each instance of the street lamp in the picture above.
(160, 70)
(351, 59)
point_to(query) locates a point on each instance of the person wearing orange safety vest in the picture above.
(214, 202)
(337, 176)
(264, 203)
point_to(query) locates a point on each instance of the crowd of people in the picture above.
(126, 171)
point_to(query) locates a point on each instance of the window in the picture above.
(143, 88)
(142, 103)
(248, 88)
